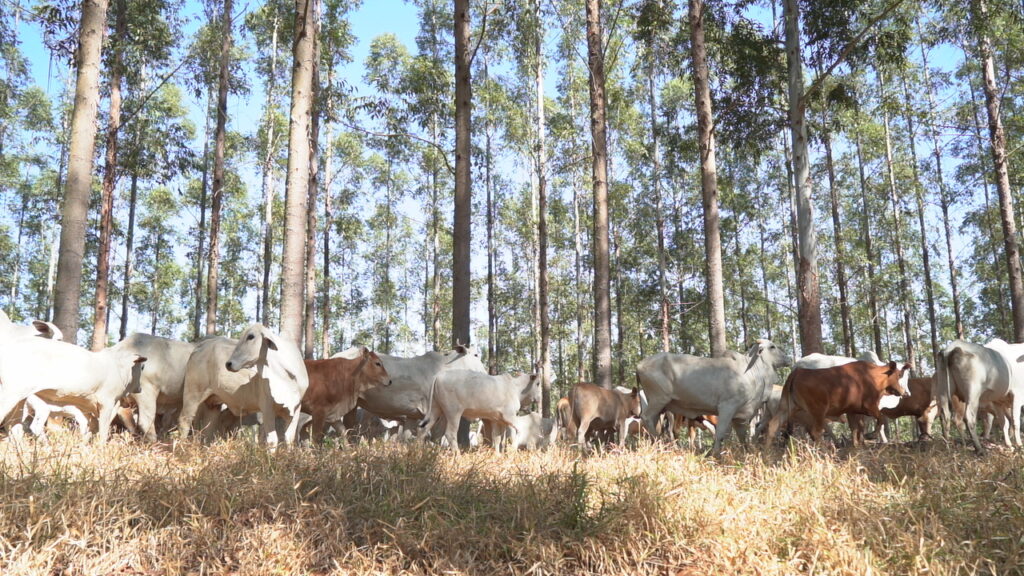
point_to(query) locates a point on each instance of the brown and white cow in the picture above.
(853, 389)
(335, 385)
(594, 407)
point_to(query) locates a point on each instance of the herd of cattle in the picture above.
(151, 384)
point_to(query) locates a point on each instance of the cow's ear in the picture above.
(904, 370)
(891, 367)
(635, 392)
(138, 359)
(1021, 359)
(270, 338)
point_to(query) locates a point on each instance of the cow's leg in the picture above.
(146, 401)
(623, 432)
(451, 430)
(106, 418)
(40, 415)
(189, 405)
(316, 432)
(651, 414)
(9, 400)
(725, 418)
(1018, 403)
(856, 423)
(291, 431)
(971, 421)
(581, 431)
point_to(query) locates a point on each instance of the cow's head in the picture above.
(634, 402)
(772, 355)
(892, 383)
(371, 371)
(531, 392)
(137, 363)
(253, 346)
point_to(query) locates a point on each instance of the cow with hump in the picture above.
(260, 372)
(854, 389)
(459, 394)
(600, 408)
(64, 374)
(733, 387)
(408, 396)
(988, 377)
(335, 384)
(163, 381)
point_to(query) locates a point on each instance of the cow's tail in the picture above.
(430, 405)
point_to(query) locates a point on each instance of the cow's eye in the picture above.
(251, 336)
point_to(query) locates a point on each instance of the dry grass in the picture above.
(234, 508)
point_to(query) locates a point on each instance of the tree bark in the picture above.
(462, 233)
(906, 306)
(200, 254)
(268, 178)
(808, 290)
(837, 229)
(129, 247)
(542, 221)
(217, 196)
(297, 186)
(997, 139)
(599, 151)
(659, 216)
(309, 339)
(919, 198)
(708, 182)
(101, 312)
(869, 254)
(76, 192)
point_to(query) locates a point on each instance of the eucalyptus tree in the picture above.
(80, 168)
(462, 223)
(599, 170)
(161, 272)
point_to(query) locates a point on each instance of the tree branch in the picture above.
(444, 154)
(850, 46)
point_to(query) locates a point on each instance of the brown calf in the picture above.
(602, 408)
(853, 389)
(335, 385)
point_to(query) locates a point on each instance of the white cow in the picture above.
(64, 374)
(982, 376)
(10, 331)
(733, 387)
(408, 397)
(163, 380)
(465, 393)
(260, 372)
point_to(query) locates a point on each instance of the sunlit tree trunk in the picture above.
(297, 185)
(906, 304)
(217, 196)
(201, 235)
(309, 295)
(997, 139)
(101, 312)
(461, 236)
(708, 182)
(808, 290)
(74, 216)
(268, 178)
(599, 151)
(542, 220)
(869, 254)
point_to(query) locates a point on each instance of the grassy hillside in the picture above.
(233, 508)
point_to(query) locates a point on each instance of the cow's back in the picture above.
(34, 364)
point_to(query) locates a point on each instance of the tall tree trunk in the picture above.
(219, 148)
(578, 176)
(200, 254)
(987, 220)
(837, 229)
(297, 186)
(764, 273)
(325, 302)
(314, 171)
(268, 178)
(542, 221)
(906, 306)
(462, 233)
(110, 168)
(659, 216)
(129, 247)
(919, 198)
(76, 193)
(997, 138)
(599, 151)
(869, 253)
(708, 182)
(944, 199)
(808, 290)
